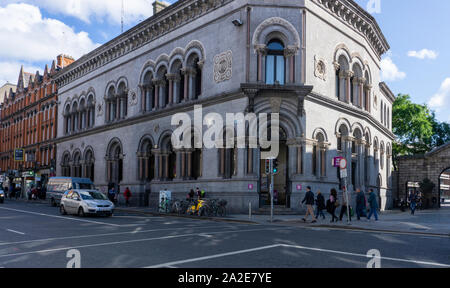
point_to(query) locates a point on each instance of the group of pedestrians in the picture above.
(113, 195)
(333, 203)
(201, 194)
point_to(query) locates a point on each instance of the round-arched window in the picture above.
(275, 63)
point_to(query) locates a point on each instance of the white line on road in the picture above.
(14, 231)
(134, 241)
(68, 218)
(291, 246)
(214, 256)
(109, 234)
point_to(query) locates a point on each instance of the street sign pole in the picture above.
(343, 166)
(271, 190)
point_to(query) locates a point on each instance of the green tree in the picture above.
(441, 132)
(412, 124)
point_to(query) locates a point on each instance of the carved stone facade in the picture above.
(177, 59)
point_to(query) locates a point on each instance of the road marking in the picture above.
(69, 218)
(133, 241)
(111, 234)
(14, 231)
(214, 256)
(365, 255)
(291, 246)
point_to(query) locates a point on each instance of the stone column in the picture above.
(261, 50)
(186, 84)
(179, 161)
(117, 107)
(355, 91)
(189, 163)
(289, 54)
(158, 168)
(361, 82)
(300, 153)
(368, 89)
(162, 94)
(156, 96)
(171, 78)
(348, 75)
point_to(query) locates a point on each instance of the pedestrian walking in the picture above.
(360, 204)
(309, 201)
(320, 204)
(373, 203)
(127, 196)
(332, 204)
(345, 206)
(412, 202)
(191, 195)
(112, 194)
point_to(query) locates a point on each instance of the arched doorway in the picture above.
(281, 179)
(444, 187)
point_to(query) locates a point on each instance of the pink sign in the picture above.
(337, 161)
(250, 186)
(299, 187)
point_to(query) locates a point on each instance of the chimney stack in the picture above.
(158, 6)
(63, 61)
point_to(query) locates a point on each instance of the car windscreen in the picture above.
(83, 186)
(93, 196)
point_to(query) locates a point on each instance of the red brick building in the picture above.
(28, 125)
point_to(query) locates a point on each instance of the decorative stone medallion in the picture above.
(133, 98)
(275, 104)
(99, 110)
(320, 70)
(375, 101)
(223, 69)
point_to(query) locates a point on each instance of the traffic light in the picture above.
(275, 166)
(267, 167)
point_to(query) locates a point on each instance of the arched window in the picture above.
(89, 165)
(146, 161)
(228, 157)
(111, 105)
(76, 168)
(115, 163)
(193, 73)
(122, 94)
(275, 63)
(67, 120)
(319, 156)
(168, 159)
(65, 165)
(91, 111)
(147, 93)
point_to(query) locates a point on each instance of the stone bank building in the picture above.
(315, 62)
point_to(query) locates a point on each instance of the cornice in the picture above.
(356, 112)
(387, 92)
(166, 21)
(350, 13)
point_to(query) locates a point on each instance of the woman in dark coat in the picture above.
(333, 204)
(320, 204)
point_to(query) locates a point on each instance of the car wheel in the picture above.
(81, 212)
(62, 210)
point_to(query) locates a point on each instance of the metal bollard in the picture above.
(249, 210)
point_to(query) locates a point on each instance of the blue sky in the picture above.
(82, 25)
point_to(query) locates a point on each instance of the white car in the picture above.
(86, 202)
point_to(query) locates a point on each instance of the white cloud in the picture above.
(390, 71)
(30, 38)
(9, 72)
(440, 101)
(100, 10)
(423, 54)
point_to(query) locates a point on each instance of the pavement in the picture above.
(35, 235)
(425, 222)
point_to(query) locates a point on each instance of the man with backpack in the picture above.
(309, 201)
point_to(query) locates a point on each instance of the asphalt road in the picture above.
(37, 236)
